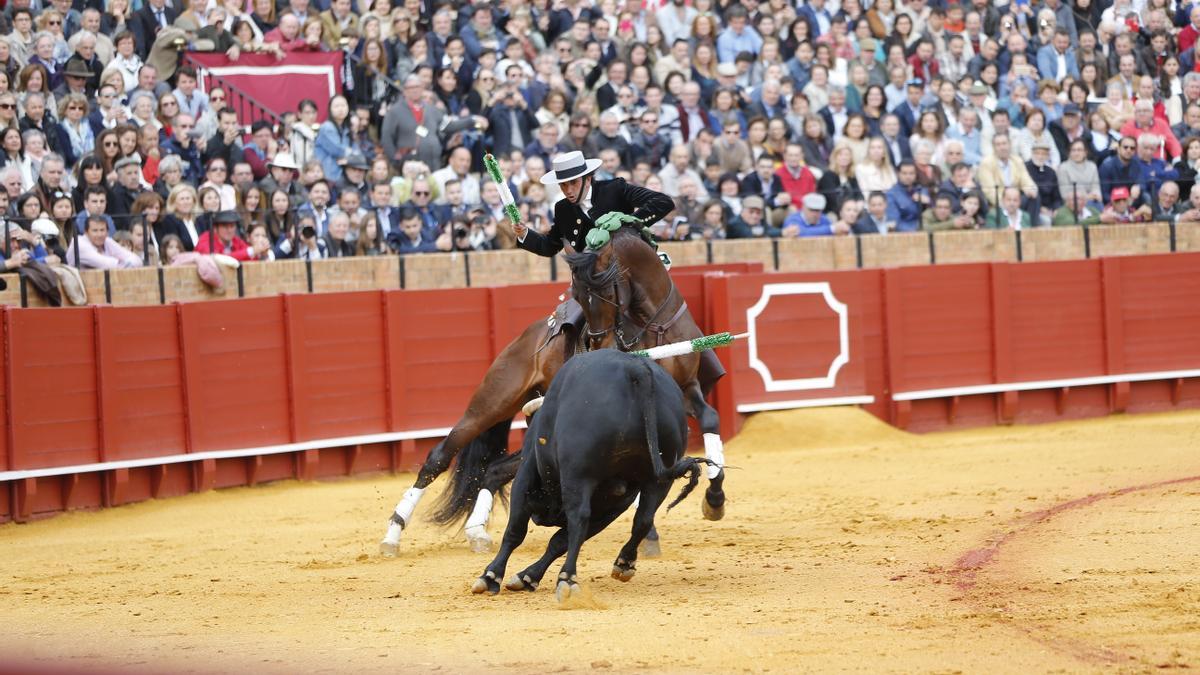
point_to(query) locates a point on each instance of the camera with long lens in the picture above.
(308, 232)
(460, 232)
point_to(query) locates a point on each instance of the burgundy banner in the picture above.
(277, 85)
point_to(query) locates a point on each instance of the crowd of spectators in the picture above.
(775, 118)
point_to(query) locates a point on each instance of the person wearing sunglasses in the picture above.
(1122, 170)
(432, 215)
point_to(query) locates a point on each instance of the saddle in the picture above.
(566, 318)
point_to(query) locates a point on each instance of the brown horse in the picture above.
(630, 303)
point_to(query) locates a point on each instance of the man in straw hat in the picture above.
(283, 177)
(587, 203)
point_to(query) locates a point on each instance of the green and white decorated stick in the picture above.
(506, 197)
(665, 352)
(690, 346)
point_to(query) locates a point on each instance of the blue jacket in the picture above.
(1114, 174)
(472, 43)
(332, 144)
(902, 208)
(193, 171)
(1047, 63)
(500, 127)
(403, 245)
(38, 253)
(823, 227)
(1155, 173)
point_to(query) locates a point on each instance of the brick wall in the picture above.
(895, 250)
(1187, 237)
(982, 246)
(498, 268)
(1112, 240)
(1059, 243)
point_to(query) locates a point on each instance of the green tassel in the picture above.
(712, 341)
(492, 167)
(513, 213)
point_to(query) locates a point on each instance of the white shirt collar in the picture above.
(586, 202)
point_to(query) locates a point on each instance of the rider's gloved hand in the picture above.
(613, 220)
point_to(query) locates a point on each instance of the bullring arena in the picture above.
(848, 545)
(985, 467)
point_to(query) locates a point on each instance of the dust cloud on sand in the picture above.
(847, 545)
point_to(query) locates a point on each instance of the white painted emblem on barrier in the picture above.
(799, 288)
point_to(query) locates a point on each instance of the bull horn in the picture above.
(533, 406)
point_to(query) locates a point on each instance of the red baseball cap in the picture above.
(1119, 193)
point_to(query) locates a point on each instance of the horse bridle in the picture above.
(617, 330)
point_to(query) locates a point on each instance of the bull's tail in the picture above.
(641, 375)
(690, 466)
(468, 476)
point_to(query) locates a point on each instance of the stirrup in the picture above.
(666, 259)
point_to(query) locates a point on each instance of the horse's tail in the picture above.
(468, 477)
(641, 376)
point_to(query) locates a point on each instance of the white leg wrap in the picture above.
(483, 511)
(408, 504)
(393, 533)
(714, 451)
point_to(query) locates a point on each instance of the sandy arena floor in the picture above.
(847, 546)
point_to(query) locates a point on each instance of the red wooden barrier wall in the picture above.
(257, 384)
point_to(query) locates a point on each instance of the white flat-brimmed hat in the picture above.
(284, 160)
(569, 166)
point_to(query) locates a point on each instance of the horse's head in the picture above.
(597, 285)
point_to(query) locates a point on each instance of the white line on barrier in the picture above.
(805, 403)
(1041, 384)
(318, 444)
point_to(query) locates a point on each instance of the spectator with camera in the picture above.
(317, 206)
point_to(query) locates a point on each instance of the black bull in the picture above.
(612, 427)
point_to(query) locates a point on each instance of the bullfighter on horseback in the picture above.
(606, 204)
(587, 204)
(632, 304)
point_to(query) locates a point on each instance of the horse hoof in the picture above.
(519, 583)
(564, 590)
(649, 548)
(486, 583)
(623, 572)
(712, 512)
(479, 540)
(388, 549)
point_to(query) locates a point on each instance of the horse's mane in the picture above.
(583, 270)
(627, 247)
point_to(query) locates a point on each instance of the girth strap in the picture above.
(660, 329)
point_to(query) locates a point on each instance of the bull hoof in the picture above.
(712, 512)
(622, 570)
(486, 583)
(519, 582)
(564, 590)
(649, 548)
(479, 540)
